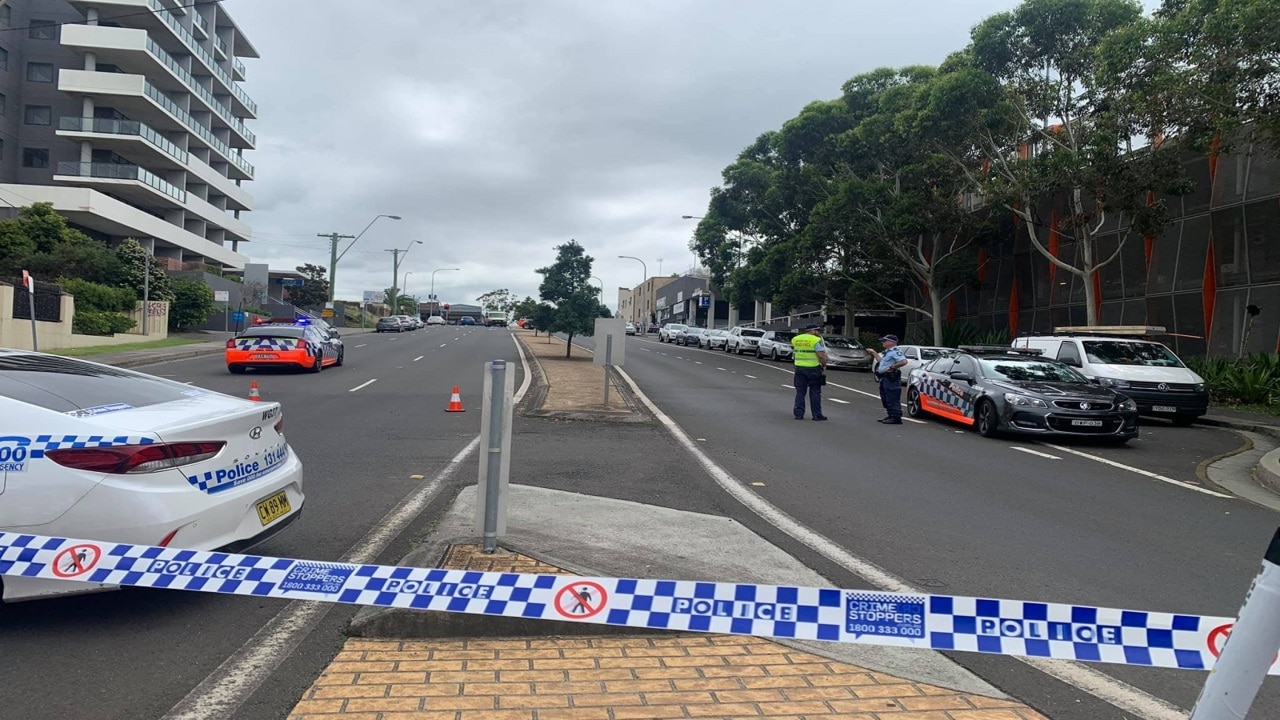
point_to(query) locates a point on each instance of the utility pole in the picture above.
(395, 277)
(333, 259)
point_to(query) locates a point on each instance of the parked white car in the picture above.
(99, 453)
(776, 345)
(714, 339)
(435, 320)
(743, 339)
(670, 332)
(919, 356)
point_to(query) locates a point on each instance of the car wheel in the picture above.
(914, 408)
(987, 423)
(342, 355)
(235, 369)
(318, 365)
(773, 355)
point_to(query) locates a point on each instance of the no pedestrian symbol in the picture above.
(581, 599)
(76, 560)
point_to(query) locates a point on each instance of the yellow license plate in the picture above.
(274, 508)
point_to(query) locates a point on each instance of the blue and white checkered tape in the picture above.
(936, 622)
(936, 390)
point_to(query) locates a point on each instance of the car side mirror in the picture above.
(962, 377)
(334, 334)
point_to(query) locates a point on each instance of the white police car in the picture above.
(96, 452)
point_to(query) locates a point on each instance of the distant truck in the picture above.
(495, 319)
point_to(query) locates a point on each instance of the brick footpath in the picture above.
(614, 678)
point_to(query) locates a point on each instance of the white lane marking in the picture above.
(1037, 453)
(722, 369)
(364, 384)
(920, 422)
(646, 349)
(362, 345)
(443, 344)
(697, 362)
(419, 358)
(239, 676)
(753, 377)
(789, 387)
(679, 357)
(838, 400)
(1102, 686)
(456, 339)
(1139, 471)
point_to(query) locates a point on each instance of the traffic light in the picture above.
(446, 306)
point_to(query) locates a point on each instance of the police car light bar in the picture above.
(1134, 330)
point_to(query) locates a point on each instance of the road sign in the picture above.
(327, 312)
(76, 560)
(222, 296)
(238, 316)
(292, 282)
(581, 600)
(374, 296)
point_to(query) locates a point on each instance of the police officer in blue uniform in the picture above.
(888, 371)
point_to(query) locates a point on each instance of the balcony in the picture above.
(238, 68)
(200, 24)
(237, 197)
(220, 46)
(136, 97)
(125, 137)
(195, 88)
(133, 182)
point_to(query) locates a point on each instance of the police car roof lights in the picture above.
(999, 350)
(1116, 330)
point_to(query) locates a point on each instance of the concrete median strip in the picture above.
(573, 388)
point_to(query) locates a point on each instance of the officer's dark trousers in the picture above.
(891, 397)
(806, 381)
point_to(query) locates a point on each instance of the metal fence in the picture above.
(48, 300)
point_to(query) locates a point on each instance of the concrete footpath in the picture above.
(422, 664)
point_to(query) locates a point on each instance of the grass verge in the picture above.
(104, 349)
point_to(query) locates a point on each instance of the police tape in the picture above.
(932, 622)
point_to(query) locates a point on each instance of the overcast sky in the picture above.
(499, 129)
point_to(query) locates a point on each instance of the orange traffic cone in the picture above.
(455, 402)
(253, 392)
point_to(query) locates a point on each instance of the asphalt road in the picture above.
(136, 653)
(940, 506)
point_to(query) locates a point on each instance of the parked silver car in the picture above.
(671, 332)
(846, 353)
(775, 345)
(714, 339)
(919, 356)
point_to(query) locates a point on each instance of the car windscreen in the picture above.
(67, 385)
(843, 343)
(695, 331)
(783, 337)
(752, 333)
(674, 326)
(1028, 370)
(930, 353)
(1127, 352)
(274, 331)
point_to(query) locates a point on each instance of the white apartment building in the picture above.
(129, 117)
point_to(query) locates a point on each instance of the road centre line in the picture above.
(419, 358)
(753, 377)
(241, 674)
(1140, 471)
(838, 400)
(443, 344)
(1037, 453)
(362, 345)
(1100, 685)
(364, 384)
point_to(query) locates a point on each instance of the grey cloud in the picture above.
(499, 129)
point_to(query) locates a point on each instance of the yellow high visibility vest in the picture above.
(804, 352)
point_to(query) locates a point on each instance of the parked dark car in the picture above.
(692, 336)
(391, 323)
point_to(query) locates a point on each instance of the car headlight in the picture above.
(1113, 382)
(1128, 405)
(1199, 387)
(1024, 400)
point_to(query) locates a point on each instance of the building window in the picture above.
(5, 13)
(40, 72)
(4, 59)
(42, 30)
(35, 157)
(4, 105)
(38, 115)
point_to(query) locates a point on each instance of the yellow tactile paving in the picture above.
(615, 678)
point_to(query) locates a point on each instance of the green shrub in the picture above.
(99, 297)
(192, 303)
(97, 322)
(1250, 380)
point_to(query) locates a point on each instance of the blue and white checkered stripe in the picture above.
(265, 343)
(38, 445)
(936, 390)
(938, 622)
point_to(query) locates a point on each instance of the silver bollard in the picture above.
(1250, 649)
(493, 478)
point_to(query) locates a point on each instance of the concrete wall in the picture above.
(16, 333)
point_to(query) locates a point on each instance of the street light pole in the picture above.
(642, 282)
(432, 297)
(404, 286)
(334, 257)
(395, 274)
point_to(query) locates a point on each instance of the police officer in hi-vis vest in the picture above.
(888, 371)
(811, 370)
